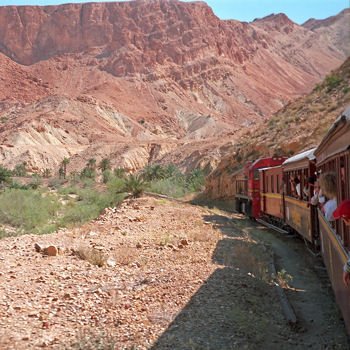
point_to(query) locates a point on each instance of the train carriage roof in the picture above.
(270, 167)
(306, 154)
(300, 160)
(337, 139)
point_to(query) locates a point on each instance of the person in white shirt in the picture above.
(296, 187)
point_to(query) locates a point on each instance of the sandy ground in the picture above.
(177, 277)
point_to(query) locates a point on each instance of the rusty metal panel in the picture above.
(298, 216)
(334, 257)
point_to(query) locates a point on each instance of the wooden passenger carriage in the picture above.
(333, 154)
(271, 194)
(299, 214)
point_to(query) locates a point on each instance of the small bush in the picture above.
(119, 173)
(20, 170)
(346, 90)
(55, 183)
(27, 209)
(135, 185)
(35, 182)
(169, 180)
(69, 190)
(88, 173)
(89, 206)
(116, 185)
(92, 255)
(169, 187)
(5, 175)
(332, 81)
(106, 176)
(18, 186)
(195, 180)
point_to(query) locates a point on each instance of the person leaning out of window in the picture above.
(328, 186)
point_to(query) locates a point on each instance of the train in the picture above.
(264, 191)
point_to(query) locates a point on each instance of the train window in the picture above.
(272, 187)
(342, 178)
(278, 183)
(268, 185)
(256, 174)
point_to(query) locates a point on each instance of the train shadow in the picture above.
(220, 314)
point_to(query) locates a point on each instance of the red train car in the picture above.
(249, 202)
(333, 154)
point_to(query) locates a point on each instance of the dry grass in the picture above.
(125, 255)
(283, 279)
(91, 340)
(201, 236)
(252, 258)
(166, 239)
(92, 255)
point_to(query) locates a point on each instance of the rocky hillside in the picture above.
(142, 80)
(307, 119)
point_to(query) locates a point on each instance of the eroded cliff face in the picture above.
(299, 126)
(149, 72)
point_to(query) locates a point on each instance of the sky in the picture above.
(243, 10)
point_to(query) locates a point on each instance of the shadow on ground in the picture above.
(221, 314)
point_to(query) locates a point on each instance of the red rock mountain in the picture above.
(144, 81)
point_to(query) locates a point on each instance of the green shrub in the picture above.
(346, 90)
(69, 190)
(135, 185)
(175, 184)
(27, 209)
(5, 175)
(332, 81)
(116, 185)
(35, 182)
(79, 213)
(104, 165)
(119, 173)
(55, 183)
(20, 170)
(18, 186)
(106, 176)
(195, 180)
(87, 172)
(169, 187)
(153, 172)
(89, 205)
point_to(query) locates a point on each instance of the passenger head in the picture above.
(296, 180)
(328, 184)
(343, 212)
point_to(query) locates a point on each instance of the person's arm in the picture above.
(346, 273)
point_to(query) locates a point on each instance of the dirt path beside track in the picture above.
(248, 309)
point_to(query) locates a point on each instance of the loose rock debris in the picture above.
(172, 280)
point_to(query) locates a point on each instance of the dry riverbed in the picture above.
(174, 276)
